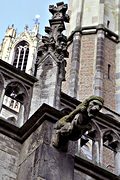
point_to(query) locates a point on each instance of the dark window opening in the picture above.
(108, 24)
(15, 92)
(109, 69)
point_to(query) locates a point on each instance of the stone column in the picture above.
(21, 116)
(117, 161)
(2, 98)
(101, 11)
(98, 83)
(75, 62)
(117, 93)
(101, 151)
(95, 152)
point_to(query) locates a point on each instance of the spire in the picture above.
(36, 24)
(36, 29)
(26, 28)
(55, 41)
(37, 17)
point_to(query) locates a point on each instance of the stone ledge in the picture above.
(45, 112)
(10, 69)
(93, 170)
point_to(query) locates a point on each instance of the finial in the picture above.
(37, 17)
(26, 27)
(56, 41)
(36, 26)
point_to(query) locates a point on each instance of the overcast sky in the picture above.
(23, 12)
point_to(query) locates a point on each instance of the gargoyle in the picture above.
(74, 125)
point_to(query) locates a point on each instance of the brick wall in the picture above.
(87, 61)
(87, 69)
(108, 159)
(109, 82)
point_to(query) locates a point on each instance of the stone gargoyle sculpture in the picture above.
(75, 124)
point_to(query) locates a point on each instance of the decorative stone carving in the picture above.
(74, 125)
(55, 41)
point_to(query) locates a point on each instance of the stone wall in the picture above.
(30, 155)
(79, 175)
(39, 160)
(9, 157)
(108, 159)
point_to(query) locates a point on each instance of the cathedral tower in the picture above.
(93, 41)
(21, 50)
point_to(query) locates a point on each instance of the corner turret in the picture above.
(10, 32)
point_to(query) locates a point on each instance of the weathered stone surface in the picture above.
(29, 146)
(40, 159)
(81, 176)
(25, 170)
(9, 156)
(75, 61)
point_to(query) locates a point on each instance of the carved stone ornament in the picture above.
(74, 125)
(55, 41)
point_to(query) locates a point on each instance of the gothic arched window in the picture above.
(15, 103)
(21, 55)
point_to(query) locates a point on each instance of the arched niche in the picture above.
(110, 143)
(90, 143)
(15, 106)
(110, 139)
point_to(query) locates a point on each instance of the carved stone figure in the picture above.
(74, 125)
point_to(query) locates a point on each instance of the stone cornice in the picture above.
(15, 72)
(45, 112)
(93, 30)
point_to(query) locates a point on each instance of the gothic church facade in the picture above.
(44, 78)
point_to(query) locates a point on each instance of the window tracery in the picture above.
(21, 55)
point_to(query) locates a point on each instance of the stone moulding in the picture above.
(8, 68)
(45, 112)
(93, 30)
(93, 170)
